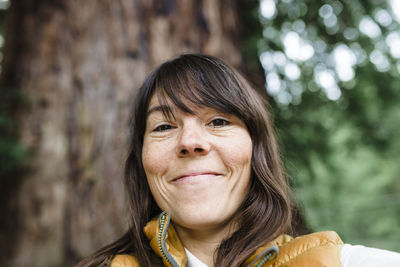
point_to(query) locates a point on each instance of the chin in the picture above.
(201, 220)
(201, 225)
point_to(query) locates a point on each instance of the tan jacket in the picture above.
(313, 250)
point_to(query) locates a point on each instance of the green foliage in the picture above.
(332, 68)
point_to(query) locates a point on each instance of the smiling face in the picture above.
(197, 165)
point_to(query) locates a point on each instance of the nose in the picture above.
(192, 142)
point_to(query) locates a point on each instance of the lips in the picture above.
(196, 176)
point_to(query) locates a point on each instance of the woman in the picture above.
(204, 178)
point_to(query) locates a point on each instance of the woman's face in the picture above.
(197, 166)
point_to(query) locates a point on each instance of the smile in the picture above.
(196, 177)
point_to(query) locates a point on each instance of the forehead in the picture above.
(168, 105)
(154, 101)
(168, 109)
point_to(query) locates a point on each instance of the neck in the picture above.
(203, 243)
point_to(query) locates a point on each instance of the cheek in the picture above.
(156, 159)
(151, 163)
(154, 169)
(147, 158)
(239, 151)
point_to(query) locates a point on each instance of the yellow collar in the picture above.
(315, 249)
(165, 243)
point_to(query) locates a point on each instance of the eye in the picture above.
(163, 128)
(219, 123)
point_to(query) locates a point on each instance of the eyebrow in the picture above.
(161, 108)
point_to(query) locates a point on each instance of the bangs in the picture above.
(189, 83)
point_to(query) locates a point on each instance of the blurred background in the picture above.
(70, 69)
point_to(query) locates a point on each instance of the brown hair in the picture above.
(206, 81)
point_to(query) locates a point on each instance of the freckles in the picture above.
(240, 151)
(150, 163)
(155, 158)
(146, 157)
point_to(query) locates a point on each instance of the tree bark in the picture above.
(78, 64)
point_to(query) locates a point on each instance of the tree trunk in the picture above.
(78, 64)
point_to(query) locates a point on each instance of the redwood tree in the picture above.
(69, 74)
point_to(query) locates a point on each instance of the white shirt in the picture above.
(350, 256)
(360, 256)
(193, 261)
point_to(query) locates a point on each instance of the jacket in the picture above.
(317, 249)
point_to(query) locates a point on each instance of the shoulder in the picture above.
(124, 260)
(319, 238)
(309, 241)
(316, 249)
